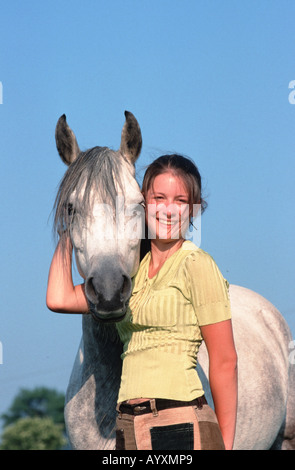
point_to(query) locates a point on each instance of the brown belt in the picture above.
(159, 404)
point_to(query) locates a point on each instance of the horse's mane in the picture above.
(93, 172)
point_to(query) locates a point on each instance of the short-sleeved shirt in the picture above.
(161, 330)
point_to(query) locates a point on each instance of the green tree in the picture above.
(33, 434)
(35, 421)
(37, 403)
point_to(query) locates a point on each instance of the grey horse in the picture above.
(266, 399)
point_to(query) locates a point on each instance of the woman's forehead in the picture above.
(169, 181)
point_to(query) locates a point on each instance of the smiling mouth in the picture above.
(168, 222)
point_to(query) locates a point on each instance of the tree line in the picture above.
(34, 421)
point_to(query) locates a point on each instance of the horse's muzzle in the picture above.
(108, 292)
(106, 317)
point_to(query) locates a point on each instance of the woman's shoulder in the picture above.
(199, 264)
(194, 253)
(197, 261)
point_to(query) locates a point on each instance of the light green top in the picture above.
(161, 331)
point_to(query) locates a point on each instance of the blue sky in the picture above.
(208, 79)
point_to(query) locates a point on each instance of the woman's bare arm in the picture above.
(62, 296)
(219, 341)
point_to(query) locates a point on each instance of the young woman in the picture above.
(179, 299)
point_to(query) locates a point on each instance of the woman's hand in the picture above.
(62, 296)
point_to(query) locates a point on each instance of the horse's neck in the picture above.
(94, 385)
(102, 347)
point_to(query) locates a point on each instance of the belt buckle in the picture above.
(137, 409)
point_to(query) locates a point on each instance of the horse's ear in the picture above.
(66, 142)
(131, 140)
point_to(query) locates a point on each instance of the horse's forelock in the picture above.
(94, 172)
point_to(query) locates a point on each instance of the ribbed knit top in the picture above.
(161, 330)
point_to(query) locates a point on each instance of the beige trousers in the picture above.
(183, 428)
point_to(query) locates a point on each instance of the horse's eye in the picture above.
(71, 210)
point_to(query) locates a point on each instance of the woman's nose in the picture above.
(168, 210)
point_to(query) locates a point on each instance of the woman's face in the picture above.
(167, 207)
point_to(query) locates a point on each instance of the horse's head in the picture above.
(99, 204)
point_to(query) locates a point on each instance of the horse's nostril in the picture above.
(90, 289)
(126, 287)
